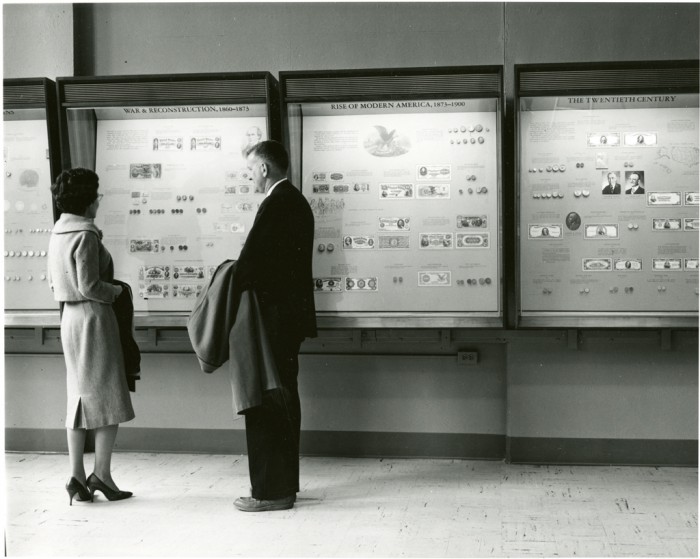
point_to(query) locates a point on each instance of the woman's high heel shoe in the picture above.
(73, 487)
(96, 484)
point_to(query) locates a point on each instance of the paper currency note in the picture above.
(144, 245)
(601, 140)
(597, 264)
(434, 279)
(154, 272)
(663, 198)
(433, 191)
(666, 264)
(544, 231)
(438, 241)
(358, 242)
(393, 242)
(628, 265)
(472, 221)
(666, 224)
(473, 240)
(396, 190)
(395, 223)
(328, 285)
(601, 231)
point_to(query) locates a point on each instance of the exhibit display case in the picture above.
(31, 159)
(402, 169)
(607, 186)
(170, 154)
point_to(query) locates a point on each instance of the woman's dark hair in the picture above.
(75, 189)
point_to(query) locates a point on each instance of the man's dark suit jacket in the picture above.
(607, 189)
(276, 261)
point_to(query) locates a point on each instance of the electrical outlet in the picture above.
(467, 357)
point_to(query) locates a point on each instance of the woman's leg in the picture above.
(104, 443)
(76, 450)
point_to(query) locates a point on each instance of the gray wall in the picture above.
(612, 386)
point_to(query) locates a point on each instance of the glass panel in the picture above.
(406, 196)
(178, 198)
(28, 217)
(609, 203)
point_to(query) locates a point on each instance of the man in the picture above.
(634, 184)
(613, 187)
(276, 262)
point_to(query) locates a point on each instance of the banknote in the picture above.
(666, 224)
(358, 242)
(395, 223)
(205, 143)
(440, 241)
(328, 285)
(154, 272)
(321, 188)
(155, 290)
(360, 187)
(628, 264)
(691, 224)
(597, 264)
(473, 240)
(144, 245)
(186, 291)
(393, 241)
(433, 172)
(341, 188)
(361, 284)
(472, 221)
(433, 191)
(666, 264)
(145, 170)
(434, 279)
(640, 139)
(601, 140)
(544, 231)
(188, 272)
(692, 198)
(167, 143)
(245, 207)
(691, 264)
(601, 231)
(663, 198)
(394, 190)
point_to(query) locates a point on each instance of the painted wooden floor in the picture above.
(183, 506)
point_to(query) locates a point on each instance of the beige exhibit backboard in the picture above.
(405, 196)
(28, 214)
(178, 197)
(608, 204)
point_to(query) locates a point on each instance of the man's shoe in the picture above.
(248, 504)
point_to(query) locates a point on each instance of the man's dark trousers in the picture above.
(273, 428)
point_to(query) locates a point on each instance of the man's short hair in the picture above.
(271, 152)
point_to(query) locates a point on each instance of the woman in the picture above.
(80, 271)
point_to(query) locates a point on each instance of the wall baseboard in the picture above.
(313, 443)
(523, 450)
(630, 452)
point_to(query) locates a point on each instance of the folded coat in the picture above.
(226, 326)
(123, 307)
